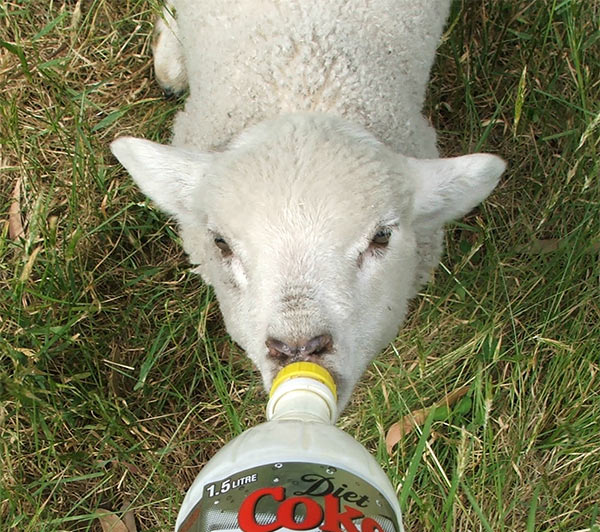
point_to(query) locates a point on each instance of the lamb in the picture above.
(305, 181)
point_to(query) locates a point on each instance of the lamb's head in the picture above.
(308, 229)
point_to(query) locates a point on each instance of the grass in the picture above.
(117, 379)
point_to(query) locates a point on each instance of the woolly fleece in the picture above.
(367, 61)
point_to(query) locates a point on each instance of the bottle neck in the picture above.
(302, 399)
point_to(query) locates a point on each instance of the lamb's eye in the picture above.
(382, 237)
(223, 246)
(377, 245)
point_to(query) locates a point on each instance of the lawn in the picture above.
(117, 378)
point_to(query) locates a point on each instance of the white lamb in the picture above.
(305, 181)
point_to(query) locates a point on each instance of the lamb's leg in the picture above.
(169, 66)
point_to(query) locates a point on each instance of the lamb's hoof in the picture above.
(171, 94)
(169, 66)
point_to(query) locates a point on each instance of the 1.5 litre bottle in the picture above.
(297, 471)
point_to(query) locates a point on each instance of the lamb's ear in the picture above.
(166, 174)
(447, 189)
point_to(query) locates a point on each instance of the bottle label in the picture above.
(291, 496)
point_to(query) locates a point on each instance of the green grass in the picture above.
(117, 379)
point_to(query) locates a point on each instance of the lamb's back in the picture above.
(365, 60)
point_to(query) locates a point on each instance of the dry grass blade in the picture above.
(111, 523)
(541, 246)
(15, 222)
(128, 517)
(27, 269)
(129, 521)
(403, 427)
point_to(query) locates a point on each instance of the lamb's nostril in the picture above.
(277, 348)
(319, 345)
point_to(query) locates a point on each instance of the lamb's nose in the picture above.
(319, 345)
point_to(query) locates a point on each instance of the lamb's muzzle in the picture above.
(286, 352)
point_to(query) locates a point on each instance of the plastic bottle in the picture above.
(297, 471)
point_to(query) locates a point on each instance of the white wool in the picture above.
(301, 143)
(367, 61)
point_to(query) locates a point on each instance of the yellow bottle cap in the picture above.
(308, 370)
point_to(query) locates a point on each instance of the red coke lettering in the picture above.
(312, 518)
(285, 513)
(329, 519)
(334, 518)
(246, 514)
